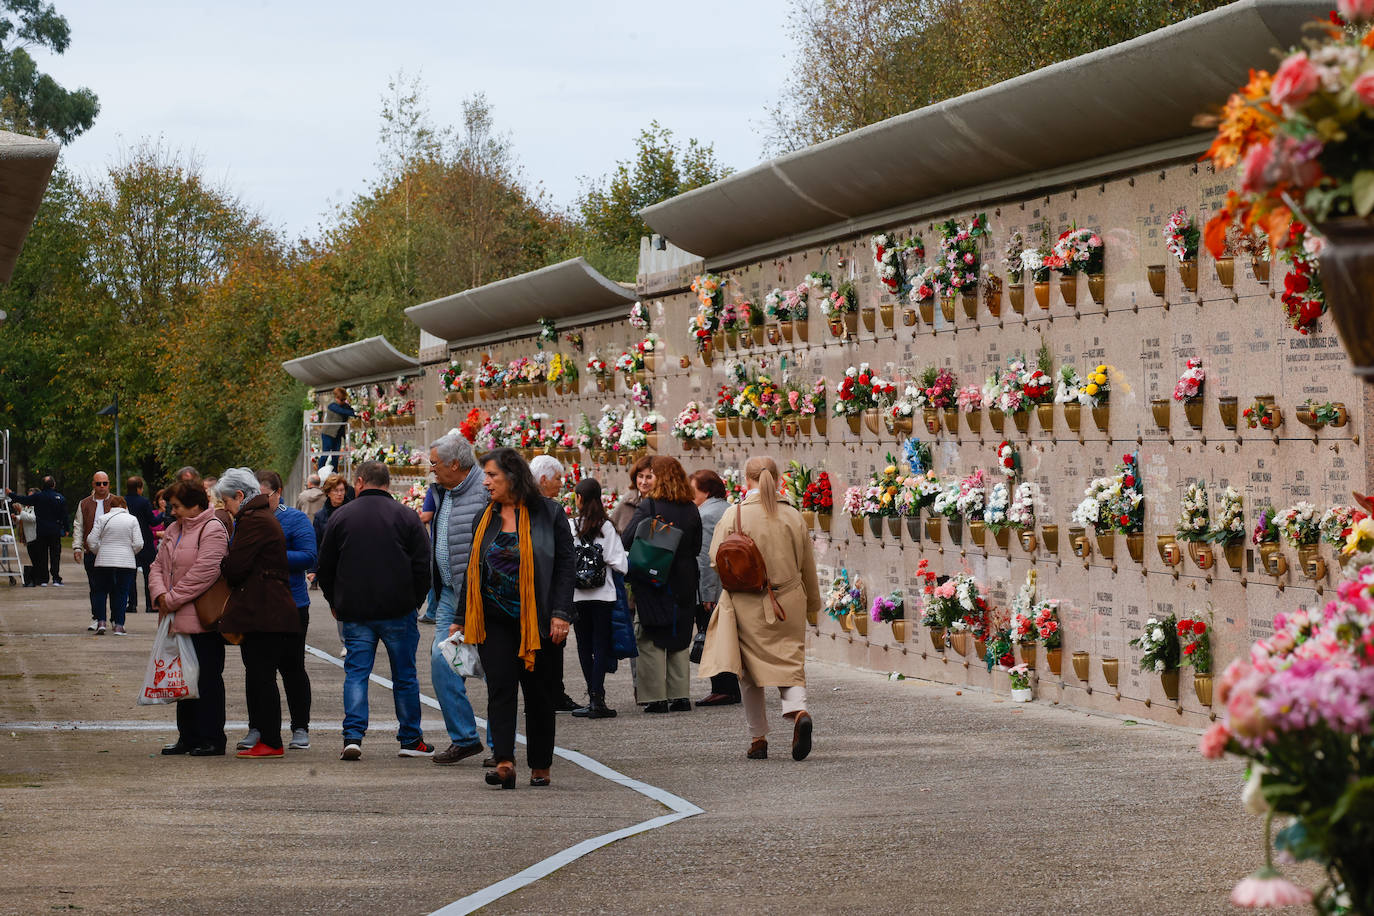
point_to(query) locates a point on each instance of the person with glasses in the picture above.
(90, 509)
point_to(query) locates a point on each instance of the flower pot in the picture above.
(1109, 670)
(803, 330)
(761, 429)
(1073, 415)
(1201, 555)
(785, 327)
(722, 427)
(997, 418)
(1042, 294)
(853, 420)
(937, 638)
(931, 418)
(1235, 555)
(894, 528)
(1027, 538)
(1228, 409)
(1347, 273)
(847, 622)
(1097, 288)
(902, 425)
(851, 322)
(885, 313)
(603, 383)
(1307, 418)
(1226, 271)
(1202, 686)
(812, 618)
(1102, 416)
(1261, 268)
(1275, 419)
(1342, 415)
(1068, 289)
(1106, 545)
(756, 334)
(1192, 409)
(1027, 654)
(1050, 535)
(913, 528)
(1187, 272)
(947, 308)
(992, 297)
(1022, 420)
(804, 423)
(820, 424)
(823, 520)
(951, 420)
(732, 424)
(1045, 414)
(959, 642)
(1157, 279)
(979, 531)
(1022, 694)
(809, 517)
(732, 340)
(875, 525)
(970, 304)
(651, 440)
(1169, 680)
(1016, 292)
(1135, 546)
(1159, 407)
(980, 649)
(857, 523)
(908, 318)
(1002, 537)
(927, 307)
(933, 528)
(774, 335)
(955, 527)
(1054, 658)
(974, 419)
(899, 631)
(871, 420)
(707, 355)
(1080, 665)
(861, 624)
(870, 316)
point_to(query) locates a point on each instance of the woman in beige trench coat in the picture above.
(746, 635)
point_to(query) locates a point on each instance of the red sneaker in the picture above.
(262, 750)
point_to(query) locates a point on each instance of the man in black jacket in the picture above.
(141, 508)
(51, 510)
(374, 572)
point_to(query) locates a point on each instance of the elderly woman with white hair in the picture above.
(548, 472)
(260, 607)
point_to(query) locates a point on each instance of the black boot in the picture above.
(596, 708)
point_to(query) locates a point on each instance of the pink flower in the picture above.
(1244, 713)
(1267, 888)
(1355, 11)
(1295, 80)
(1254, 170)
(1364, 85)
(1213, 743)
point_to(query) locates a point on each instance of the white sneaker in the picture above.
(249, 740)
(94, 624)
(300, 739)
(343, 651)
(42, 585)
(100, 629)
(353, 750)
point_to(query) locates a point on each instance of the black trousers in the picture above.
(294, 681)
(595, 646)
(37, 570)
(727, 682)
(265, 654)
(202, 719)
(147, 590)
(506, 676)
(47, 558)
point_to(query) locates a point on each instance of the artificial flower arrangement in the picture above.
(1113, 504)
(710, 292)
(692, 426)
(917, 455)
(889, 257)
(995, 512)
(1300, 524)
(1195, 642)
(414, 498)
(794, 482)
(882, 491)
(1021, 512)
(563, 371)
(842, 300)
(472, 424)
(1158, 644)
(820, 283)
(1194, 520)
(642, 395)
(815, 402)
(1037, 385)
(788, 304)
(1008, 459)
(1068, 389)
(1020, 677)
(597, 366)
(973, 496)
(928, 283)
(942, 603)
(548, 331)
(1259, 414)
(1045, 620)
(639, 316)
(909, 497)
(734, 485)
(1035, 261)
(969, 399)
(906, 406)
(959, 253)
(1097, 387)
(888, 608)
(725, 402)
(1338, 522)
(1077, 250)
(845, 596)
(938, 387)
(999, 652)
(629, 363)
(818, 496)
(609, 427)
(855, 393)
(946, 502)
(651, 343)
(1181, 236)
(1228, 526)
(732, 320)
(634, 435)
(1011, 258)
(456, 378)
(853, 502)
(1012, 396)
(1325, 413)
(1266, 529)
(1189, 384)
(1304, 298)
(1021, 623)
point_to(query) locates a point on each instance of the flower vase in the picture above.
(732, 424)
(1068, 289)
(1002, 537)
(1187, 271)
(875, 525)
(894, 528)
(1045, 414)
(761, 428)
(1110, 670)
(913, 528)
(1102, 416)
(1022, 420)
(1261, 268)
(1135, 546)
(974, 419)
(870, 316)
(931, 416)
(927, 307)
(1156, 273)
(997, 418)
(853, 420)
(956, 529)
(980, 649)
(823, 520)
(1016, 292)
(706, 355)
(1226, 271)
(970, 304)
(847, 622)
(951, 420)
(774, 335)
(899, 631)
(1169, 681)
(1097, 288)
(933, 528)
(1228, 408)
(947, 308)
(789, 426)
(902, 426)
(1054, 658)
(959, 642)
(804, 423)
(857, 523)
(1073, 415)
(1272, 560)
(1022, 695)
(809, 518)
(732, 339)
(775, 427)
(1080, 665)
(861, 623)
(1192, 409)
(803, 330)
(937, 638)
(1042, 294)
(885, 313)
(1050, 535)
(1202, 686)
(1235, 555)
(1106, 545)
(718, 340)
(979, 531)
(1159, 407)
(722, 427)
(786, 328)
(1311, 563)
(820, 424)
(1201, 554)
(851, 322)
(1028, 654)
(871, 420)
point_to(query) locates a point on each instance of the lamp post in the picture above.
(113, 411)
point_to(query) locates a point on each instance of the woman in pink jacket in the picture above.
(187, 565)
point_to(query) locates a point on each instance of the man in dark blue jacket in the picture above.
(300, 556)
(51, 509)
(142, 509)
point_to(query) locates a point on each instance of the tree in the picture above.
(609, 207)
(857, 62)
(32, 102)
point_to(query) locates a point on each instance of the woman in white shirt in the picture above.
(115, 540)
(594, 604)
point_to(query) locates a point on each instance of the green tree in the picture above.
(32, 102)
(609, 207)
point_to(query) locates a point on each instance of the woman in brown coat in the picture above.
(747, 635)
(260, 606)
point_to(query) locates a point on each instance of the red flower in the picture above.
(1124, 520)
(1129, 480)
(864, 379)
(1199, 627)
(1190, 648)
(1127, 459)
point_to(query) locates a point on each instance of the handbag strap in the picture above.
(768, 586)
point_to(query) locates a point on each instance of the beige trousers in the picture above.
(755, 717)
(660, 674)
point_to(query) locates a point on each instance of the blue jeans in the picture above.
(401, 636)
(431, 603)
(448, 687)
(112, 584)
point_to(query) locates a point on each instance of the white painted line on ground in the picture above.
(680, 807)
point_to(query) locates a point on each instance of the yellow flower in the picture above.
(890, 470)
(1091, 389)
(1101, 369)
(1100, 378)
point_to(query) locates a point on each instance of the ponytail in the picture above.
(765, 471)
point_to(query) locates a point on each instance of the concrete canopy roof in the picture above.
(26, 164)
(565, 290)
(1135, 94)
(352, 364)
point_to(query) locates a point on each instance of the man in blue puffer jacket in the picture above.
(301, 554)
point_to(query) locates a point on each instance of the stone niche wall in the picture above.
(1247, 350)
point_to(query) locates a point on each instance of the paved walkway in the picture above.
(917, 799)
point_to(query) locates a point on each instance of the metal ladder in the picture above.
(11, 562)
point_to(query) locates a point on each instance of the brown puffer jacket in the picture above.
(259, 580)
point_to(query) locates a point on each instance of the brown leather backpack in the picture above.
(741, 567)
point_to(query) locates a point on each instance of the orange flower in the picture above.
(1247, 118)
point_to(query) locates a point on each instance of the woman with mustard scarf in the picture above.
(516, 606)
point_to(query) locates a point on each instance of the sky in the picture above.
(280, 101)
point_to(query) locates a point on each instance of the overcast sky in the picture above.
(280, 100)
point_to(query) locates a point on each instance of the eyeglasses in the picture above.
(102, 483)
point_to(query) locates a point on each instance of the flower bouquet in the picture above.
(1338, 522)
(889, 609)
(1159, 648)
(1020, 677)
(1181, 239)
(818, 498)
(889, 256)
(1300, 524)
(1078, 250)
(844, 602)
(960, 259)
(692, 428)
(639, 316)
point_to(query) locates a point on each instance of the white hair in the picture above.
(544, 467)
(454, 447)
(235, 480)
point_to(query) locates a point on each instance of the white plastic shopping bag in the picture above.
(173, 670)
(461, 657)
